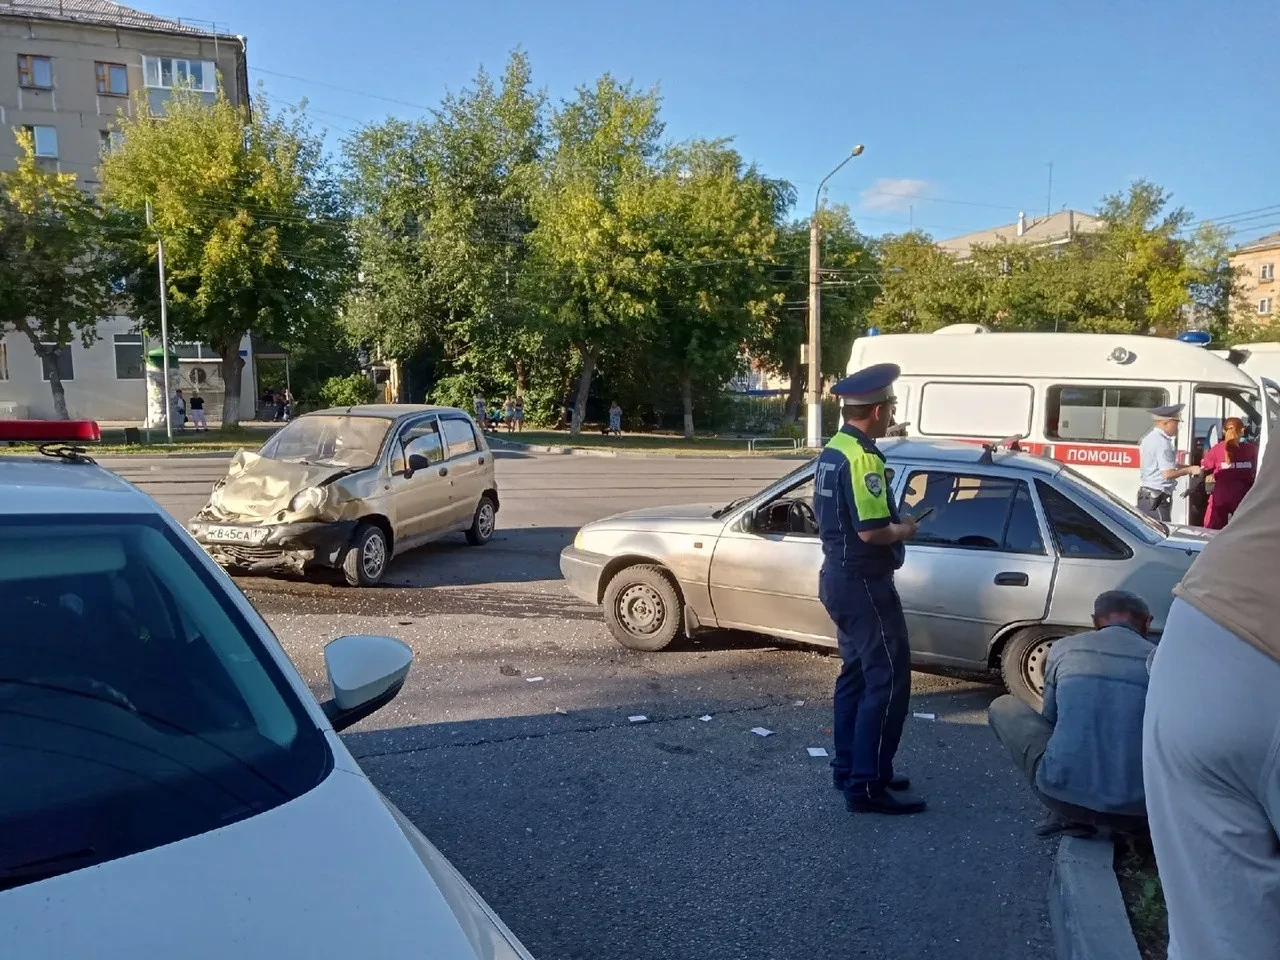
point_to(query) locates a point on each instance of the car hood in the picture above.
(258, 487)
(686, 511)
(331, 874)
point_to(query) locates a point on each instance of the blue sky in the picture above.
(961, 105)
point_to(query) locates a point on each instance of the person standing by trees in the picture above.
(198, 422)
(518, 414)
(615, 419)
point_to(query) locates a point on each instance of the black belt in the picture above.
(1156, 495)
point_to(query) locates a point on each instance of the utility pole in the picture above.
(164, 333)
(1048, 204)
(813, 430)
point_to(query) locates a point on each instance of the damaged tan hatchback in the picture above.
(351, 488)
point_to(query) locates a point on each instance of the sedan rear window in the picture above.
(137, 706)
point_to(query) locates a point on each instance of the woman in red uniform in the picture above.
(1233, 463)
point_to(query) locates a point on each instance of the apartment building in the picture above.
(68, 70)
(1256, 265)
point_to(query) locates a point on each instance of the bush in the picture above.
(349, 391)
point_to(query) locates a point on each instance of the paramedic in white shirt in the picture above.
(1158, 471)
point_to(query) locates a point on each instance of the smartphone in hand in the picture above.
(922, 516)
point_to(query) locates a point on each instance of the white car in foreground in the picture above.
(172, 788)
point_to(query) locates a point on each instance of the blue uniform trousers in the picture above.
(874, 686)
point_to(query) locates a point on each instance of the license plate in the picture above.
(236, 534)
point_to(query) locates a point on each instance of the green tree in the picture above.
(56, 265)
(591, 262)
(251, 217)
(714, 230)
(348, 391)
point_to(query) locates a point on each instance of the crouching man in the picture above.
(1083, 753)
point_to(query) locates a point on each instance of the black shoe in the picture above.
(891, 803)
(897, 783)
(1054, 826)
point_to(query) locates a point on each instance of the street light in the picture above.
(814, 431)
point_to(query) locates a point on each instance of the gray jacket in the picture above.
(1094, 695)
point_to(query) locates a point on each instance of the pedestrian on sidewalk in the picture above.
(615, 419)
(509, 414)
(197, 412)
(1083, 752)
(862, 545)
(518, 414)
(288, 404)
(482, 414)
(179, 409)
(1211, 745)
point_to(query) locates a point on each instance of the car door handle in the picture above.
(1012, 580)
(444, 471)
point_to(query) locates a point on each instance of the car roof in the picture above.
(960, 453)
(43, 485)
(391, 411)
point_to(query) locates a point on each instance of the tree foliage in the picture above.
(56, 261)
(251, 217)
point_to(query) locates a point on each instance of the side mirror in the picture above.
(418, 462)
(365, 672)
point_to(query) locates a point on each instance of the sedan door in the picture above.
(979, 561)
(764, 572)
(419, 483)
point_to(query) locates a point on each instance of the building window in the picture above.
(4, 360)
(1101, 414)
(45, 140)
(1264, 307)
(1266, 271)
(111, 140)
(129, 356)
(35, 73)
(66, 370)
(113, 79)
(166, 72)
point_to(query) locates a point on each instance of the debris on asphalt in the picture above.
(925, 716)
(798, 703)
(761, 732)
(508, 671)
(534, 679)
(705, 718)
(817, 751)
(638, 718)
(562, 710)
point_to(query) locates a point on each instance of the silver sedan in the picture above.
(1010, 559)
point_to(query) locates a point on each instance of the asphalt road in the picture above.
(596, 837)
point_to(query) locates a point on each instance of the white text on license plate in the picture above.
(236, 534)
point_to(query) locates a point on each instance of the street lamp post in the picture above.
(814, 431)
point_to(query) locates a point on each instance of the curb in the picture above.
(1085, 905)
(514, 447)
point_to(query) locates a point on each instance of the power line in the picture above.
(342, 89)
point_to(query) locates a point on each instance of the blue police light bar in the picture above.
(873, 331)
(1198, 338)
(49, 431)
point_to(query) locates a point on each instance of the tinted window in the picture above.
(137, 706)
(1101, 414)
(460, 437)
(1076, 532)
(982, 513)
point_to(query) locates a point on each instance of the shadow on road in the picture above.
(675, 838)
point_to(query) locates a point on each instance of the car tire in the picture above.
(642, 608)
(366, 559)
(482, 523)
(1022, 662)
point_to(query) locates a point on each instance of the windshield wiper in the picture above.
(730, 506)
(44, 868)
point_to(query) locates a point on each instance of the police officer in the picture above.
(862, 545)
(1158, 470)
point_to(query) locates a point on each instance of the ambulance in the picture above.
(1079, 398)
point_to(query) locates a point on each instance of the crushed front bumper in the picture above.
(287, 547)
(582, 571)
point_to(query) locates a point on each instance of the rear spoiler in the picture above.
(1237, 357)
(989, 450)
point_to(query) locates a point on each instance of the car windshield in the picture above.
(337, 441)
(1139, 524)
(137, 705)
(776, 485)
